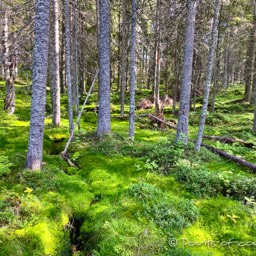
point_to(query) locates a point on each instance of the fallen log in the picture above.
(236, 159)
(150, 116)
(229, 140)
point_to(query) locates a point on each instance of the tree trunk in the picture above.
(249, 66)
(133, 69)
(214, 39)
(75, 90)
(104, 69)
(123, 57)
(216, 79)
(254, 120)
(55, 70)
(68, 68)
(62, 59)
(157, 57)
(182, 129)
(225, 80)
(9, 63)
(40, 63)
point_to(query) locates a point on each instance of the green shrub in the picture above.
(171, 214)
(40, 180)
(204, 183)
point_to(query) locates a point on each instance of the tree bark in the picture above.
(253, 94)
(214, 39)
(75, 89)
(104, 127)
(133, 70)
(55, 70)
(62, 59)
(182, 129)
(157, 57)
(9, 64)
(249, 65)
(254, 121)
(40, 63)
(68, 68)
(123, 56)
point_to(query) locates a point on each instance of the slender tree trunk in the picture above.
(253, 93)
(68, 68)
(167, 74)
(216, 78)
(9, 64)
(175, 85)
(75, 57)
(133, 70)
(40, 63)
(214, 39)
(182, 129)
(151, 72)
(55, 72)
(62, 59)
(104, 69)
(249, 66)
(123, 57)
(254, 120)
(225, 79)
(157, 57)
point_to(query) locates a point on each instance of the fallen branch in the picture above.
(69, 162)
(159, 120)
(231, 157)
(229, 140)
(64, 153)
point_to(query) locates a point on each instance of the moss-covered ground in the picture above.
(147, 197)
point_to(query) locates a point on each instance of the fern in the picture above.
(4, 165)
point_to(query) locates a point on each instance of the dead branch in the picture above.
(238, 160)
(159, 120)
(229, 140)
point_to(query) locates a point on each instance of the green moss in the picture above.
(98, 191)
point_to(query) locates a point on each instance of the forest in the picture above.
(127, 128)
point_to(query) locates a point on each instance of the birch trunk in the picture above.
(9, 64)
(214, 39)
(40, 63)
(103, 127)
(55, 79)
(68, 59)
(133, 70)
(182, 129)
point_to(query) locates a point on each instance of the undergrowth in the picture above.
(150, 196)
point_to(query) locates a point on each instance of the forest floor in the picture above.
(147, 197)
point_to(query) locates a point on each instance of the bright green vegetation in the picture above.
(124, 197)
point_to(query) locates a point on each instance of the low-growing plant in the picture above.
(204, 183)
(170, 213)
(4, 166)
(40, 180)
